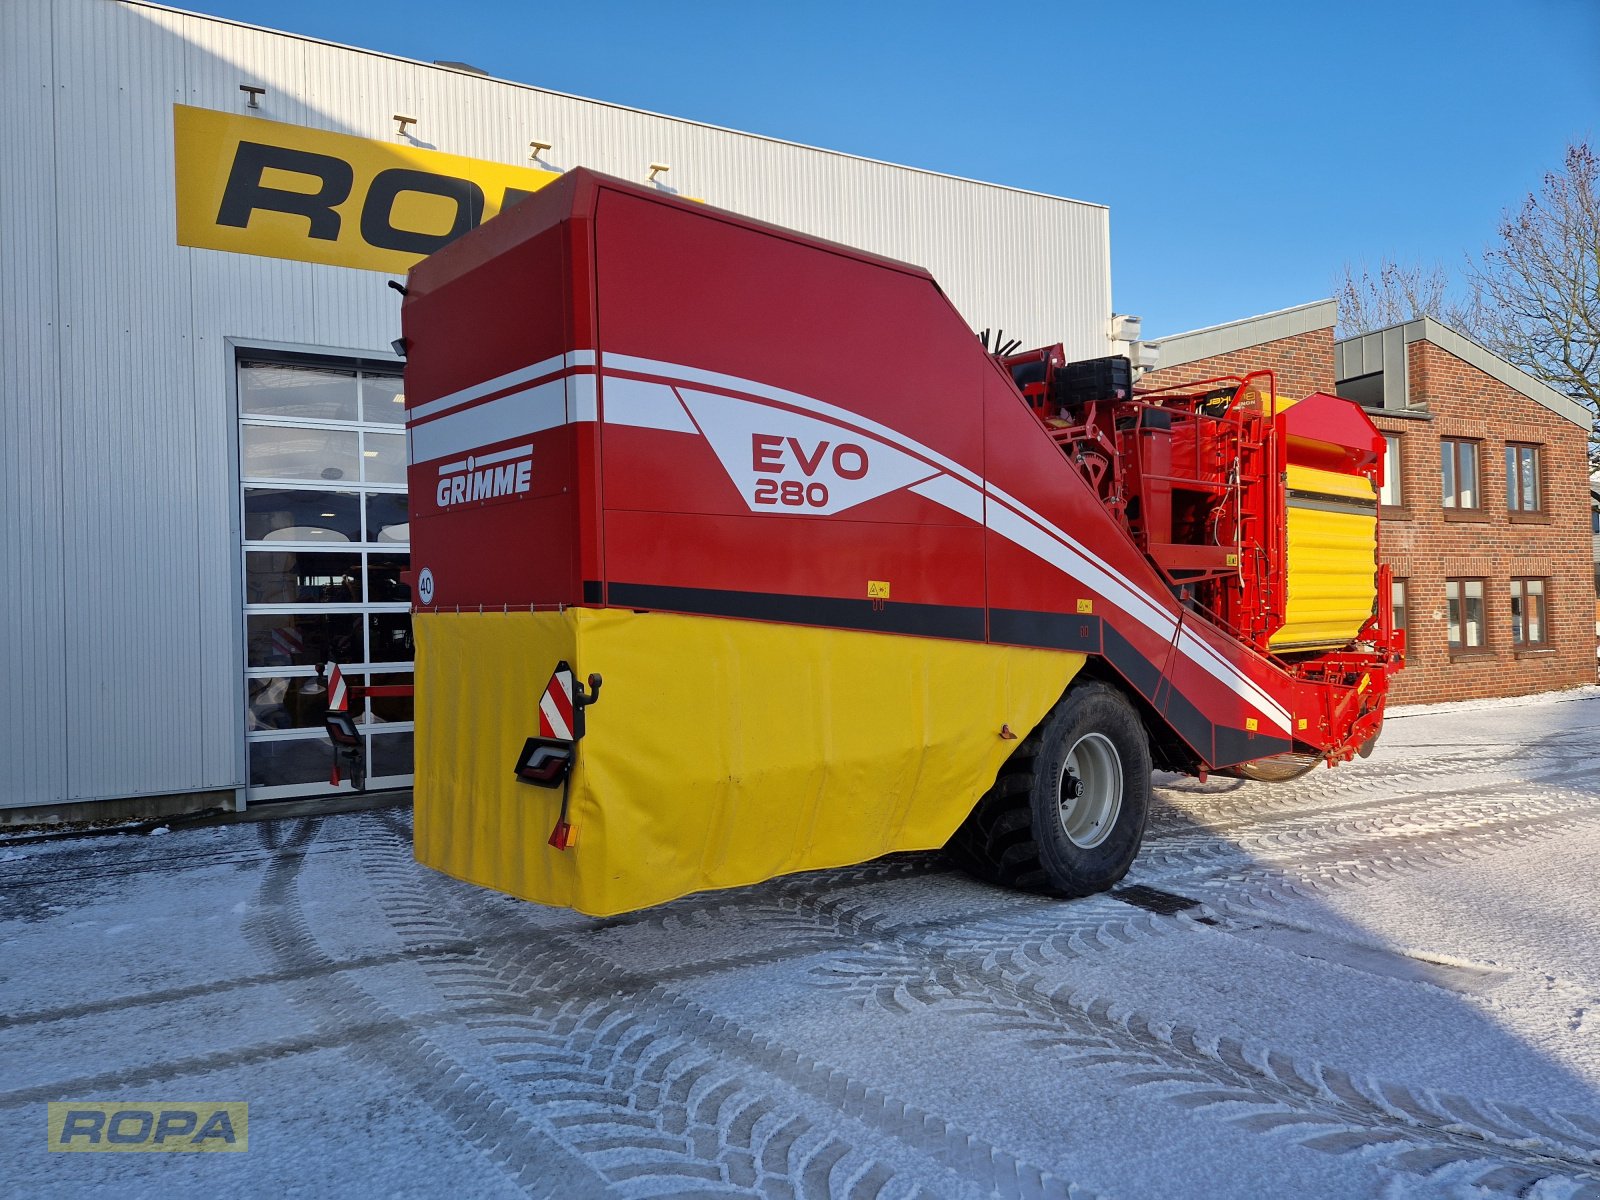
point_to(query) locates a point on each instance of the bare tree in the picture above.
(1533, 298)
(1538, 290)
(1397, 292)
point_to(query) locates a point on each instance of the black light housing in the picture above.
(544, 761)
(341, 729)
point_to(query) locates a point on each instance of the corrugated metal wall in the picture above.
(33, 698)
(120, 621)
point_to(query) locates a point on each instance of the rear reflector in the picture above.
(341, 729)
(544, 761)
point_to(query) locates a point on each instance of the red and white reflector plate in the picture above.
(337, 699)
(555, 706)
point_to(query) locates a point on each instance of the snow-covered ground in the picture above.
(1378, 980)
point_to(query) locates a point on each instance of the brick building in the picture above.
(1485, 513)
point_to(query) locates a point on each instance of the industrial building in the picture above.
(202, 462)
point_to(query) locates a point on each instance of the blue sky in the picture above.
(1247, 151)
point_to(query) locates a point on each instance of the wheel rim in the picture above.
(1090, 791)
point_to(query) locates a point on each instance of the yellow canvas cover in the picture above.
(1332, 552)
(721, 752)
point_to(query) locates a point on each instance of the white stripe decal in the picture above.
(488, 387)
(962, 499)
(649, 366)
(1025, 534)
(1062, 535)
(1141, 608)
(581, 404)
(1037, 542)
(511, 379)
(543, 406)
(1205, 656)
(645, 406)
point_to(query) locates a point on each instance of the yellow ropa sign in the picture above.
(99, 1127)
(254, 186)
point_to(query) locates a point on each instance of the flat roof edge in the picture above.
(1179, 348)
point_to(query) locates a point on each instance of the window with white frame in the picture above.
(325, 545)
(1390, 494)
(1458, 471)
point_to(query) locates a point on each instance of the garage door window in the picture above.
(325, 545)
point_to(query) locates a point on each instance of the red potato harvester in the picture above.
(854, 582)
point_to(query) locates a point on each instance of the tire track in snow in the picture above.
(615, 1112)
(660, 1089)
(1031, 929)
(1343, 839)
(1418, 1131)
(1180, 808)
(175, 863)
(522, 1150)
(1322, 1108)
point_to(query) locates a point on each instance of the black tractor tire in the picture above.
(1022, 835)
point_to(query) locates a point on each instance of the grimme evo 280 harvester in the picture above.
(854, 583)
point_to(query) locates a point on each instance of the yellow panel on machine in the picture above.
(723, 752)
(1332, 547)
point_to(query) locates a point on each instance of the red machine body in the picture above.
(715, 416)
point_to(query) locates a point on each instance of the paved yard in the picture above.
(1378, 980)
